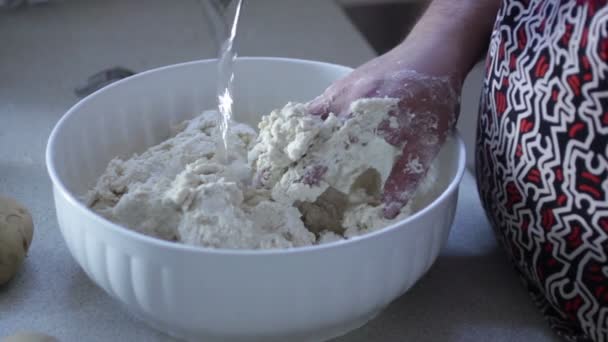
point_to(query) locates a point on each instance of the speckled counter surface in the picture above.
(470, 294)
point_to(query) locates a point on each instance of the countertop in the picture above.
(470, 294)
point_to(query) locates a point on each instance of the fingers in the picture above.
(325, 104)
(336, 99)
(421, 138)
(407, 173)
(320, 106)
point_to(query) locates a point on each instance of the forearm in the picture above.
(450, 38)
(435, 58)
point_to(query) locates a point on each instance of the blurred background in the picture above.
(50, 48)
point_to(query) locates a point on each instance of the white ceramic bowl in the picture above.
(310, 293)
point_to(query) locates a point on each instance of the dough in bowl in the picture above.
(301, 181)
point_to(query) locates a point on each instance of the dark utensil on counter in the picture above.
(102, 79)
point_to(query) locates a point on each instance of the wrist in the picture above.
(433, 56)
(449, 39)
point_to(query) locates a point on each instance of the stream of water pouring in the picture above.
(225, 79)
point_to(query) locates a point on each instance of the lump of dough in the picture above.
(16, 231)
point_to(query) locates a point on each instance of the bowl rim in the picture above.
(177, 246)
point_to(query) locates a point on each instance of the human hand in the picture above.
(426, 115)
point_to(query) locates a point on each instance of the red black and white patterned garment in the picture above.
(542, 156)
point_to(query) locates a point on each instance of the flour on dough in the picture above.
(301, 181)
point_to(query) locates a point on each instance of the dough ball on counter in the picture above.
(16, 231)
(29, 337)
